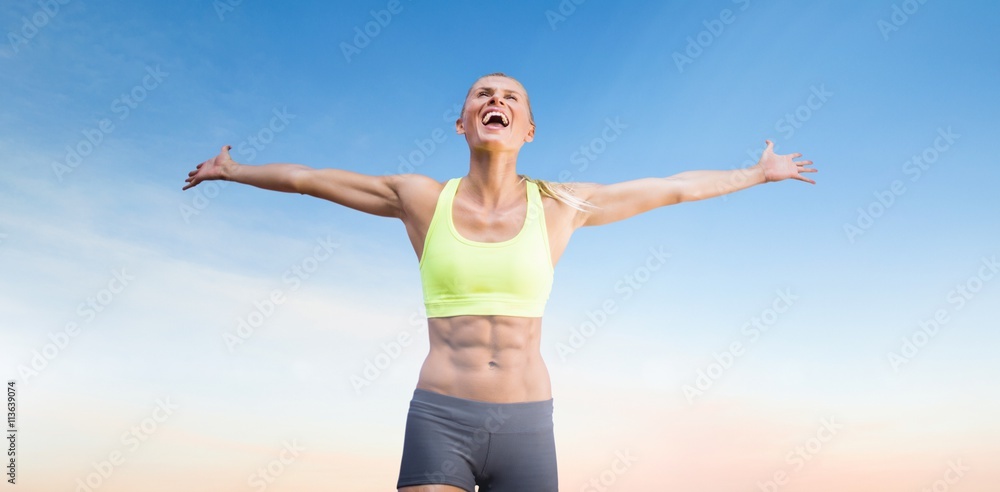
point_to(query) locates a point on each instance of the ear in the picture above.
(459, 127)
(531, 134)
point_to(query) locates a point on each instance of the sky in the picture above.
(840, 336)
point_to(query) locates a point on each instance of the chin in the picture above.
(495, 144)
(482, 140)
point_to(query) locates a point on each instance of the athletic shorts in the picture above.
(502, 447)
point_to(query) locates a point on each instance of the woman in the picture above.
(481, 412)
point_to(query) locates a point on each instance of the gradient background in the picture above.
(202, 260)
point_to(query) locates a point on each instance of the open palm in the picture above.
(782, 166)
(214, 168)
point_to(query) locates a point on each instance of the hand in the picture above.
(778, 167)
(217, 167)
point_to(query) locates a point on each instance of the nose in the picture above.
(496, 100)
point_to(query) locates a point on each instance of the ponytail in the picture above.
(561, 192)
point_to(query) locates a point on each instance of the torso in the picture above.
(486, 358)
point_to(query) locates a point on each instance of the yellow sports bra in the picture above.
(465, 277)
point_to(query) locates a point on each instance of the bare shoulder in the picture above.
(579, 189)
(563, 212)
(411, 182)
(416, 192)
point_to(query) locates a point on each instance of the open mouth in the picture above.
(495, 119)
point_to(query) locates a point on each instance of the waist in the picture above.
(489, 387)
(527, 416)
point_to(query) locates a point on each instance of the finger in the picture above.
(770, 146)
(804, 163)
(807, 180)
(796, 155)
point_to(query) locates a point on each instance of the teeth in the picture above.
(502, 116)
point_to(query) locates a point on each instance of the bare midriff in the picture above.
(486, 358)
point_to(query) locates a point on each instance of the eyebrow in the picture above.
(477, 89)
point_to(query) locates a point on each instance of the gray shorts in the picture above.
(499, 446)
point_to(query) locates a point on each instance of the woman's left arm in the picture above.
(699, 185)
(620, 201)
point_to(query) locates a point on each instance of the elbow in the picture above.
(676, 190)
(690, 195)
(683, 196)
(297, 181)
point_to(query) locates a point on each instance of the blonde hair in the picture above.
(559, 191)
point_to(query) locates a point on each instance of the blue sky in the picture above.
(195, 76)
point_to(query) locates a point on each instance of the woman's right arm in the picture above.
(376, 195)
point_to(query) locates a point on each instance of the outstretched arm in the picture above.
(375, 195)
(620, 201)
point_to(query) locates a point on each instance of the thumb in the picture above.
(770, 146)
(225, 149)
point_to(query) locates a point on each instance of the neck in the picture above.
(493, 178)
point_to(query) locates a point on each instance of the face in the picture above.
(496, 115)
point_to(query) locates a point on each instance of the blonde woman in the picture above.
(487, 243)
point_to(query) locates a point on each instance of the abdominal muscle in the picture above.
(486, 358)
